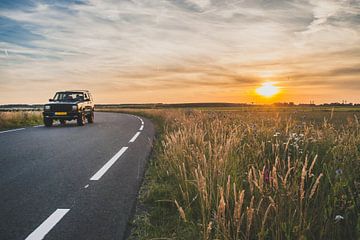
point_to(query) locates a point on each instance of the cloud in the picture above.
(140, 45)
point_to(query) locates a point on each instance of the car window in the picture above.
(69, 96)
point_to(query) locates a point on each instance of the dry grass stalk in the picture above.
(181, 211)
(274, 178)
(315, 186)
(302, 181)
(249, 217)
(262, 232)
(312, 166)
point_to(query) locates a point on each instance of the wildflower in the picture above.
(338, 171)
(338, 218)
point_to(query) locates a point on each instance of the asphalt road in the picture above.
(70, 182)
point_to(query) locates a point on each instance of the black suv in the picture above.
(69, 105)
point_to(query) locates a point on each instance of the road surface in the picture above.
(70, 182)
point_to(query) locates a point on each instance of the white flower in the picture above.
(338, 218)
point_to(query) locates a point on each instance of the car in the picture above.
(69, 105)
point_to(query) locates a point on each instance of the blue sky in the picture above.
(180, 50)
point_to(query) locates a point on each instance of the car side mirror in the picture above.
(51, 100)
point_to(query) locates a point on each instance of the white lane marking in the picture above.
(107, 165)
(12, 130)
(40, 232)
(134, 137)
(141, 128)
(38, 126)
(142, 122)
(86, 186)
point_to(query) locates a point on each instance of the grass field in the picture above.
(9, 120)
(252, 175)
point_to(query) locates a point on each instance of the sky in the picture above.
(173, 51)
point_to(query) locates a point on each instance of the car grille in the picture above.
(61, 108)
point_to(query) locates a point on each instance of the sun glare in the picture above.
(267, 89)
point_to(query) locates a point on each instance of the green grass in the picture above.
(10, 120)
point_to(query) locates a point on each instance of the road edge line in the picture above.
(12, 130)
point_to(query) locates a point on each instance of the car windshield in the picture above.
(69, 96)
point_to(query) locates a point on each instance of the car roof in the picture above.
(75, 91)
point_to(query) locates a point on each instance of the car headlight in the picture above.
(47, 107)
(74, 107)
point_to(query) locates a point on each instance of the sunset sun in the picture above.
(267, 89)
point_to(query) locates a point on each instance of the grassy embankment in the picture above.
(252, 175)
(16, 119)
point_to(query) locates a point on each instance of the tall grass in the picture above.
(255, 175)
(10, 120)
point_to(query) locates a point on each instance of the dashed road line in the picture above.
(40, 232)
(134, 137)
(107, 165)
(141, 128)
(38, 126)
(12, 130)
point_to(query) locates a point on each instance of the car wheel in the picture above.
(90, 118)
(48, 122)
(81, 119)
(62, 122)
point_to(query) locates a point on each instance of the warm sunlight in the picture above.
(267, 89)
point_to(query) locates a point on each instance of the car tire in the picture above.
(81, 119)
(90, 118)
(48, 122)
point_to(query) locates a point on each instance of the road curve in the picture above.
(69, 182)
